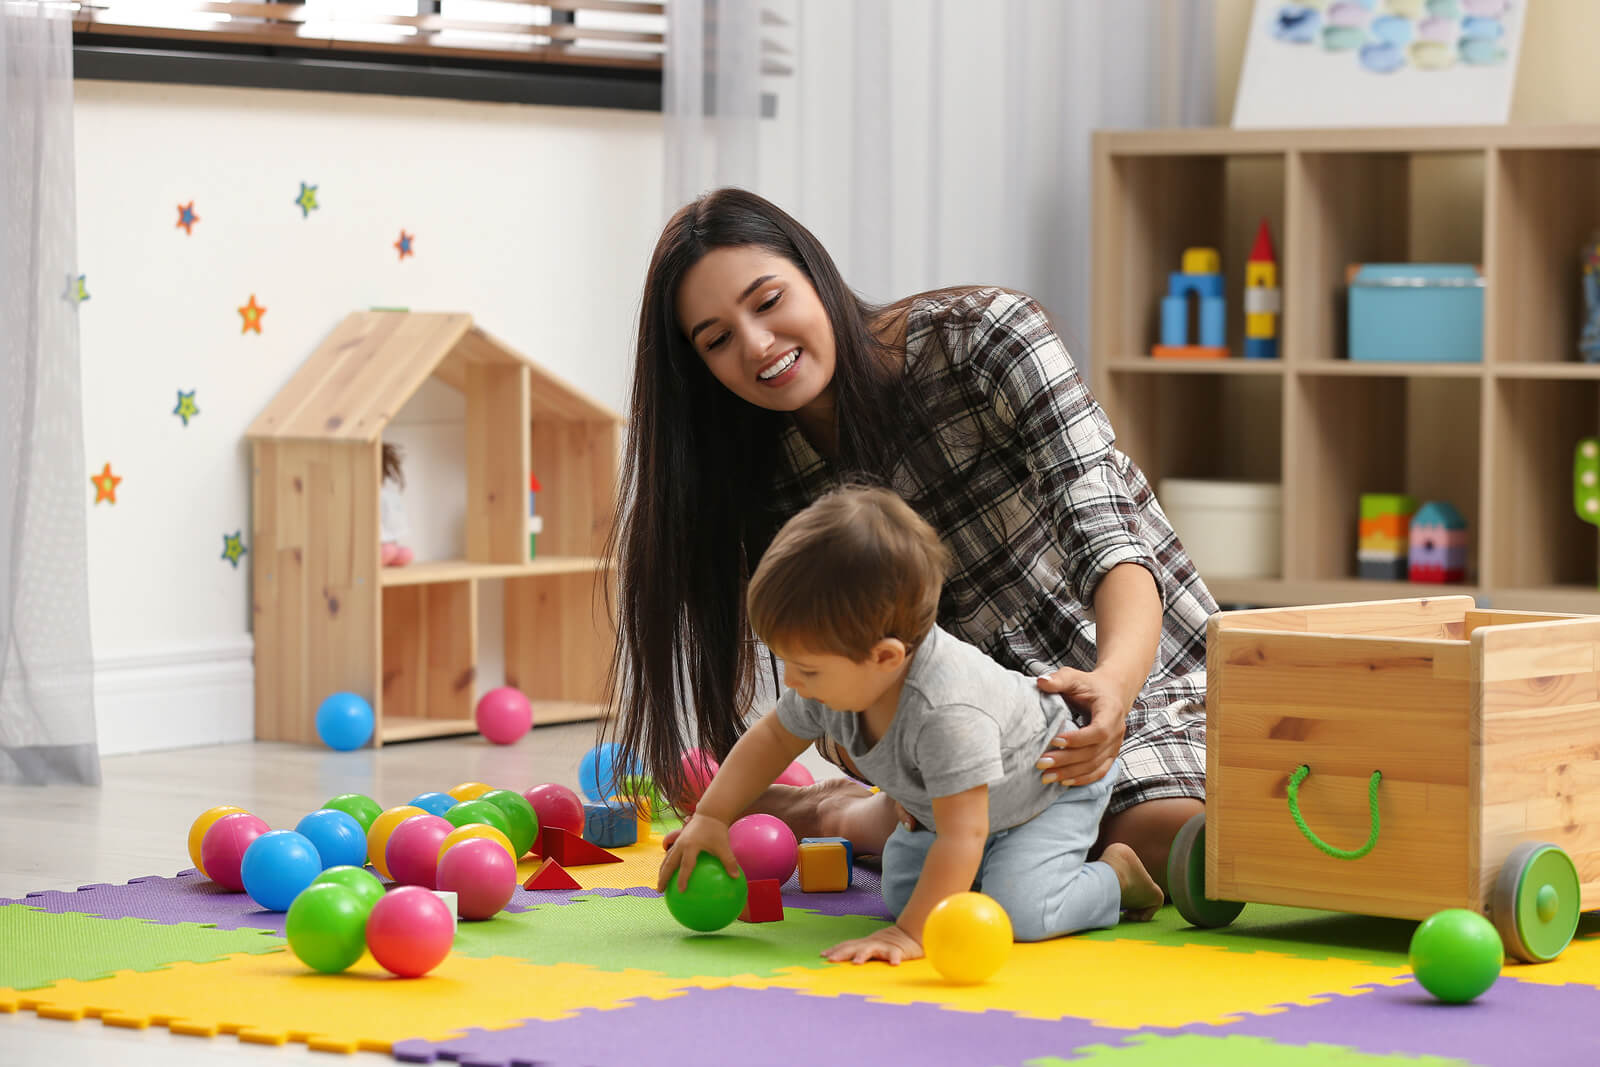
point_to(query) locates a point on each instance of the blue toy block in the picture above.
(610, 827)
(1260, 348)
(1175, 310)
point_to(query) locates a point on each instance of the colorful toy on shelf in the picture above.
(1586, 480)
(1385, 534)
(1262, 298)
(1438, 544)
(1589, 336)
(535, 520)
(1201, 280)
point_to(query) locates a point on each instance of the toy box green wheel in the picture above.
(1536, 902)
(1186, 879)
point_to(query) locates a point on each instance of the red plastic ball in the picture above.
(764, 846)
(504, 715)
(556, 805)
(481, 875)
(222, 849)
(795, 774)
(412, 853)
(410, 931)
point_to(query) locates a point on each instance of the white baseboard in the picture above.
(201, 694)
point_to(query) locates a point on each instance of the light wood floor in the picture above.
(137, 823)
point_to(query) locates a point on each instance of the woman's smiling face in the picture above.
(756, 320)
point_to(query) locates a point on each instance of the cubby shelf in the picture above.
(1495, 438)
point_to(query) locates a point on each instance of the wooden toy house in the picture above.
(327, 617)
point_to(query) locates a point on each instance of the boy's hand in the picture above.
(701, 833)
(891, 943)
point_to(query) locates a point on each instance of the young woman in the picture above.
(761, 381)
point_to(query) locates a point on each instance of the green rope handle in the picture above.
(1337, 853)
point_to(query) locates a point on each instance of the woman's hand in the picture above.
(1086, 755)
(700, 834)
(891, 943)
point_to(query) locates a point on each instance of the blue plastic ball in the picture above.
(433, 803)
(599, 774)
(277, 866)
(344, 721)
(337, 837)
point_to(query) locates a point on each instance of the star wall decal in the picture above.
(185, 409)
(404, 244)
(307, 200)
(105, 485)
(233, 547)
(187, 218)
(77, 291)
(252, 313)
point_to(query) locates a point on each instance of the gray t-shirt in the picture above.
(963, 721)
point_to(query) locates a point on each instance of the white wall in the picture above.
(536, 220)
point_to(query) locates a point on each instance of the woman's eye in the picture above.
(771, 300)
(721, 337)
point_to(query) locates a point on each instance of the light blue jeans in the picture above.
(1035, 871)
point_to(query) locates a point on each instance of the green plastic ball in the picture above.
(360, 881)
(520, 816)
(358, 806)
(480, 810)
(714, 897)
(1456, 955)
(327, 927)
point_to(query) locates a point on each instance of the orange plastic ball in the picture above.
(468, 790)
(197, 832)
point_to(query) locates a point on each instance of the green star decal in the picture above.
(185, 409)
(307, 200)
(233, 547)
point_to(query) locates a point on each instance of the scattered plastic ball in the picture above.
(967, 937)
(473, 831)
(714, 897)
(1456, 955)
(337, 837)
(481, 875)
(468, 790)
(504, 715)
(410, 931)
(197, 831)
(344, 721)
(358, 805)
(277, 866)
(433, 803)
(360, 881)
(480, 810)
(224, 844)
(378, 835)
(698, 769)
(597, 774)
(413, 850)
(795, 774)
(522, 822)
(327, 927)
(556, 805)
(764, 846)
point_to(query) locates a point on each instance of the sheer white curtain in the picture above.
(47, 724)
(930, 142)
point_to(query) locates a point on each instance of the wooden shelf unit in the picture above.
(1494, 438)
(328, 617)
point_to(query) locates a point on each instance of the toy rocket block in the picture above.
(1263, 301)
(610, 825)
(570, 850)
(763, 902)
(1199, 280)
(551, 875)
(825, 864)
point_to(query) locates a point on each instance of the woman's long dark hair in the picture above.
(693, 513)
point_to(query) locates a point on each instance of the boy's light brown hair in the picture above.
(854, 567)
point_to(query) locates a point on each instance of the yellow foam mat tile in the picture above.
(273, 999)
(1579, 964)
(639, 865)
(1112, 983)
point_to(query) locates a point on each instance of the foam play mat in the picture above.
(603, 975)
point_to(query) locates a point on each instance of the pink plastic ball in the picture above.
(556, 805)
(410, 931)
(504, 715)
(412, 853)
(481, 875)
(222, 849)
(764, 846)
(698, 770)
(795, 774)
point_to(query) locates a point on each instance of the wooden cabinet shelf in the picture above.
(458, 570)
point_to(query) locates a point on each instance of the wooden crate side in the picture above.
(1344, 706)
(497, 462)
(1492, 617)
(1425, 617)
(1539, 691)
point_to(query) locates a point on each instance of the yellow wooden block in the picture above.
(824, 867)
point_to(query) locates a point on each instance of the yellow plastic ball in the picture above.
(378, 835)
(468, 790)
(967, 937)
(197, 832)
(477, 829)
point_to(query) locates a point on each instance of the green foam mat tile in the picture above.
(1189, 1050)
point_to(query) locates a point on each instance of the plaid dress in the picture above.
(1024, 483)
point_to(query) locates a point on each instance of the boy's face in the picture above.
(840, 682)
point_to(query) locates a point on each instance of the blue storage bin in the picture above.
(1417, 312)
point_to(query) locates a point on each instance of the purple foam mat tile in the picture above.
(186, 897)
(1514, 1024)
(864, 897)
(761, 1028)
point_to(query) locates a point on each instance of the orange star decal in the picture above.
(187, 218)
(105, 485)
(403, 245)
(252, 315)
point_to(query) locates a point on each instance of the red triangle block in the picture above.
(551, 875)
(570, 850)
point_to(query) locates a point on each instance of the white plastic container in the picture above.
(1229, 529)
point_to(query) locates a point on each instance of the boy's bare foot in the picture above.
(833, 807)
(1141, 897)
